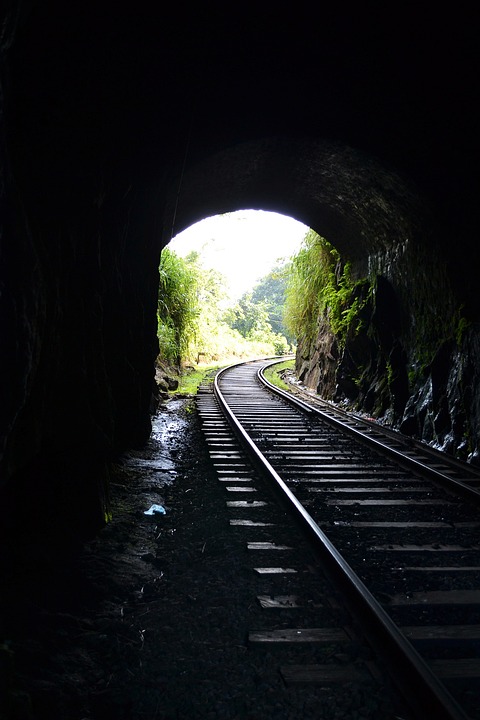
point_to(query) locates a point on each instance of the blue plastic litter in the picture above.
(155, 510)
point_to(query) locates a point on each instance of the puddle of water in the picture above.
(155, 459)
(167, 423)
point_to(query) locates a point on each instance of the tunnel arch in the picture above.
(346, 196)
(379, 222)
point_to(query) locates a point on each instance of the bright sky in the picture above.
(244, 246)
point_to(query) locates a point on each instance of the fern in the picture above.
(320, 289)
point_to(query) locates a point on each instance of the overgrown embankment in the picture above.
(393, 343)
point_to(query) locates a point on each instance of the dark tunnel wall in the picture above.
(122, 124)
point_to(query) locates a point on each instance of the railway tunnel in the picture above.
(122, 126)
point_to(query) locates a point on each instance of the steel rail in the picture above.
(406, 440)
(449, 483)
(421, 688)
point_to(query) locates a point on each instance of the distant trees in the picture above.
(259, 313)
(272, 290)
(248, 317)
(195, 322)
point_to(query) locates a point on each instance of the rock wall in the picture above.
(413, 364)
(79, 261)
(82, 370)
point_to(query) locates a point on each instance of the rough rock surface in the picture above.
(411, 364)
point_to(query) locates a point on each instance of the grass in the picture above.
(273, 374)
(192, 378)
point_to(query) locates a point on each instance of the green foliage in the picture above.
(177, 305)
(310, 272)
(194, 326)
(191, 378)
(258, 315)
(274, 374)
(248, 317)
(320, 287)
(251, 320)
(270, 291)
(281, 345)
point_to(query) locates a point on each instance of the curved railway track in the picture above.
(394, 525)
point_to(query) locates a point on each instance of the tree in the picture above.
(177, 305)
(271, 291)
(251, 320)
(193, 323)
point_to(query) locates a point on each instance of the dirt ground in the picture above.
(82, 634)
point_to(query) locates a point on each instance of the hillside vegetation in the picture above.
(198, 325)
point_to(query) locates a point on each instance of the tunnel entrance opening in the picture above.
(394, 244)
(242, 245)
(223, 285)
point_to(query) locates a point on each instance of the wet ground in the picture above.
(150, 620)
(83, 635)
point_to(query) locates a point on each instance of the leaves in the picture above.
(178, 308)
(320, 287)
(195, 325)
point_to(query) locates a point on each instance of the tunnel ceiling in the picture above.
(348, 198)
(151, 95)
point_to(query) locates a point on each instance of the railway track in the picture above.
(394, 526)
